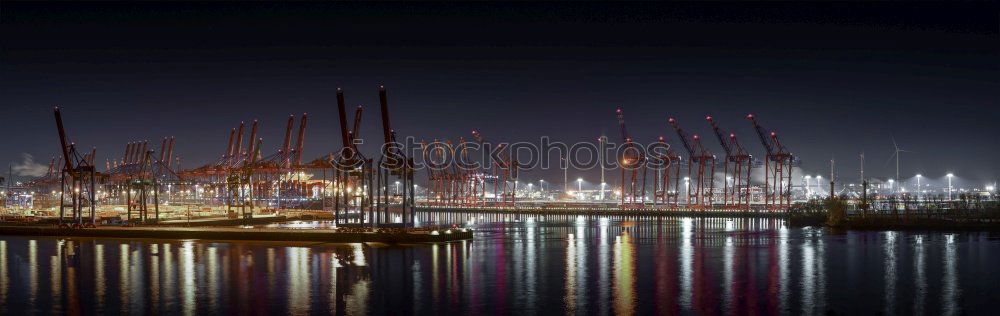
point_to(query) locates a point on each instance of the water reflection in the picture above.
(4, 275)
(624, 275)
(686, 260)
(889, 247)
(532, 265)
(298, 277)
(919, 275)
(188, 287)
(950, 290)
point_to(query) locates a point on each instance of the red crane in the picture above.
(633, 162)
(778, 165)
(667, 172)
(286, 150)
(700, 196)
(471, 182)
(77, 181)
(503, 169)
(394, 167)
(439, 186)
(352, 170)
(301, 140)
(737, 168)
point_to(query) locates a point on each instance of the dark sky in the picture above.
(834, 79)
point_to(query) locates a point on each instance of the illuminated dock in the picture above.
(608, 211)
(340, 235)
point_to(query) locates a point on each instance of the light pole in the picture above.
(601, 140)
(687, 187)
(949, 185)
(819, 179)
(565, 167)
(602, 190)
(541, 185)
(730, 183)
(918, 186)
(397, 187)
(579, 187)
(808, 188)
(892, 189)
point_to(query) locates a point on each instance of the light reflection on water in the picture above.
(536, 265)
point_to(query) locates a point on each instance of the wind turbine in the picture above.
(895, 154)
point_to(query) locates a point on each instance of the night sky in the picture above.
(834, 79)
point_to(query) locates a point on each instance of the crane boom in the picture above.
(237, 150)
(63, 142)
(163, 149)
(386, 125)
(345, 135)
(626, 139)
(391, 150)
(727, 144)
(301, 141)
(127, 153)
(229, 147)
(685, 140)
(286, 145)
(170, 151)
(143, 152)
(355, 133)
(763, 133)
(251, 142)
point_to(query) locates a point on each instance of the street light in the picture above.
(918, 186)
(808, 188)
(687, 187)
(819, 179)
(541, 185)
(950, 175)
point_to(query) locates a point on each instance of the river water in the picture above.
(523, 265)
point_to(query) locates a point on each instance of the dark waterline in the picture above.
(528, 265)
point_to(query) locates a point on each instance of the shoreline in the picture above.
(233, 233)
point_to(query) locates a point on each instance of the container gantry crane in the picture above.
(394, 167)
(440, 186)
(77, 180)
(472, 184)
(778, 165)
(737, 169)
(353, 172)
(504, 169)
(633, 168)
(452, 180)
(701, 159)
(667, 172)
